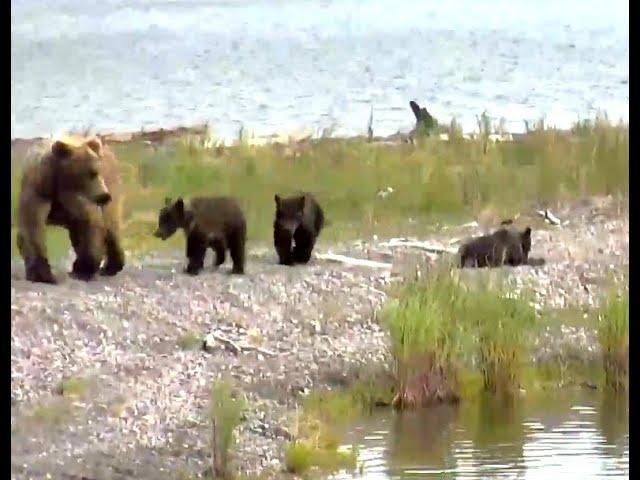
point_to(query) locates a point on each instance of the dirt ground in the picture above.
(140, 409)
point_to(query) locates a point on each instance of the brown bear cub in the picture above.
(209, 222)
(299, 221)
(75, 185)
(505, 246)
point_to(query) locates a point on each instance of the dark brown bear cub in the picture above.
(74, 184)
(505, 246)
(299, 220)
(209, 222)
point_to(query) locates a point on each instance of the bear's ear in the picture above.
(527, 233)
(95, 145)
(61, 149)
(302, 202)
(277, 199)
(179, 206)
(167, 201)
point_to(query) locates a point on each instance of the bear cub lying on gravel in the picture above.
(299, 220)
(209, 222)
(505, 246)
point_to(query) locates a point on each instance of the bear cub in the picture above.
(505, 246)
(299, 220)
(209, 222)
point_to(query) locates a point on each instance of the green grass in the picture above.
(55, 412)
(300, 458)
(504, 325)
(74, 387)
(440, 323)
(481, 334)
(423, 317)
(318, 428)
(190, 341)
(427, 332)
(432, 180)
(225, 413)
(613, 334)
(332, 405)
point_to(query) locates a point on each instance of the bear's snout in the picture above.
(103, 199)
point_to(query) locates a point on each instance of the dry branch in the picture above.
(426, 246)
(333, 257)
(237, 348)
(549, 217)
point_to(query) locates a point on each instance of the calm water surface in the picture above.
(580, 434)
(282, 64)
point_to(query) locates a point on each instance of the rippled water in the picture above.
(579, 434)
(282, 64)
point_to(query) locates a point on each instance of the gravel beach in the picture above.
(278, 331)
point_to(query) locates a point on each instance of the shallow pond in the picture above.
(567, 434)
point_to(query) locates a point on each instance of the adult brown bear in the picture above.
(74, 184)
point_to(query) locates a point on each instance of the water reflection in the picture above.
(613, 422)
(575, 434)
(498, 437)
(422, 438)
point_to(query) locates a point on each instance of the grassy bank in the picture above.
(452, 339)
(432, 180)
(472, 340)
(443, 329)
(613, 334)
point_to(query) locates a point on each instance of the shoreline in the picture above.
(299, 135)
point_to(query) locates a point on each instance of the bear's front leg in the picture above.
(88, 243)
(196, 250)
(304, 243)
(115, 255)
(282, 243)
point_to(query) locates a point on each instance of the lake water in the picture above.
(274, 65)
(569, 434)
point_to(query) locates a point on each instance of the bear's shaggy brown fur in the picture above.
(298, 219)
(505, 246)
(75, 184)
(210, 222)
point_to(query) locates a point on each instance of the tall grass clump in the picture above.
(225, 413)
(443, 329)
(613, 334)
(317, 432)
(504, 325)
(428, 335)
